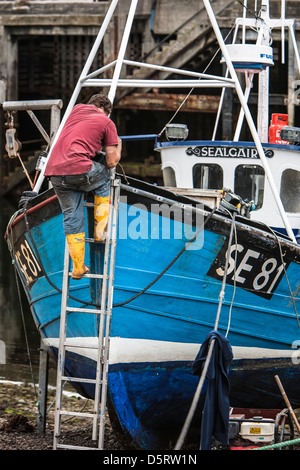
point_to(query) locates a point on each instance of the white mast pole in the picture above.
(282, 31)
(263, 81)
(122, 50)
(249, 119)
(77, 89)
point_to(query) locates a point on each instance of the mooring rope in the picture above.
(197, 394)
(11, 248)
(234, 278)
(25, 334)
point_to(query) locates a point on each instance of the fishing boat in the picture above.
(191, 257)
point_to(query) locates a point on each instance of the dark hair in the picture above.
(101, 101)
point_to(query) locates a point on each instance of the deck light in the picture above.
(291, 134)
(176, 131)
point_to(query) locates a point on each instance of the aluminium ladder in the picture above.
(104, 314)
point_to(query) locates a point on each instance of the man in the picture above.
(73, 172)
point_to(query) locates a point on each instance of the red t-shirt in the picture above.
(85, 132)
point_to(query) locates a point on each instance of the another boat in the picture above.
(172, 247)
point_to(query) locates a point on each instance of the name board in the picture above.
(27, 262)
(254, 270)
(223, 151)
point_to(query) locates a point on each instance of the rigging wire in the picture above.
(253, 13)
(192, 89)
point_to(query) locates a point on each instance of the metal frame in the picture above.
(86, 80)
(54, 105)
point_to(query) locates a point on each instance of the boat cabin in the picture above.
(215, 165)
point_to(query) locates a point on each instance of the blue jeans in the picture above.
(70, 193)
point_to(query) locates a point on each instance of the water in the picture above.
(17, 327)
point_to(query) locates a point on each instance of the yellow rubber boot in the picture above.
(101, 209)
(76, 244)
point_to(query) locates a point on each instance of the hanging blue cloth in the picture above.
(215, 417)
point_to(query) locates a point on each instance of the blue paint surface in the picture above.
(151, 399)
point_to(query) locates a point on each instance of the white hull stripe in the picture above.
(128, 350)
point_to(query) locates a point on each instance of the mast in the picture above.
(263, 80)
(249, 119)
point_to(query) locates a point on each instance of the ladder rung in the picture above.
(72, 345)
(78, 379)
(77, 413)
(92, 240)
(68, 446)
(84, 310)
(93, 276)
(98, 242)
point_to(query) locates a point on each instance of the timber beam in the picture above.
(194, 103)
(169, 102)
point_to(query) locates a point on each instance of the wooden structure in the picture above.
(44, 45)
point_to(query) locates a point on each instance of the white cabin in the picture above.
(214, 165)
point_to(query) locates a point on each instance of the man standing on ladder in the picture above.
(73, 172)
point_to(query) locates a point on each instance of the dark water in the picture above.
(17, 328)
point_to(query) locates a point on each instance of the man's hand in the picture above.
(113, 154)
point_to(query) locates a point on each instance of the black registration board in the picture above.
(27, 262)
(250, 268)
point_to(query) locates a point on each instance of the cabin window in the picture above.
(249, 181)
(169, 177)
(207, 176)
(290, 190)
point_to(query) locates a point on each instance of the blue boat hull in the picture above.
(149, 402)
(155, 336)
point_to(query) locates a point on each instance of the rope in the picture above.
(123, 172)
(279, 444)
(160, 275)
(169, 265)
(221, 296)
(42, 266)
(135, 296)
(24, 170)
(11, 248)
(222, 292)
(25, 334)
(234, 279)
(197, 394)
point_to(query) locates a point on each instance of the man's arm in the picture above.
(113, 154)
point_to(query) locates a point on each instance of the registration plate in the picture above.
(251, 268)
